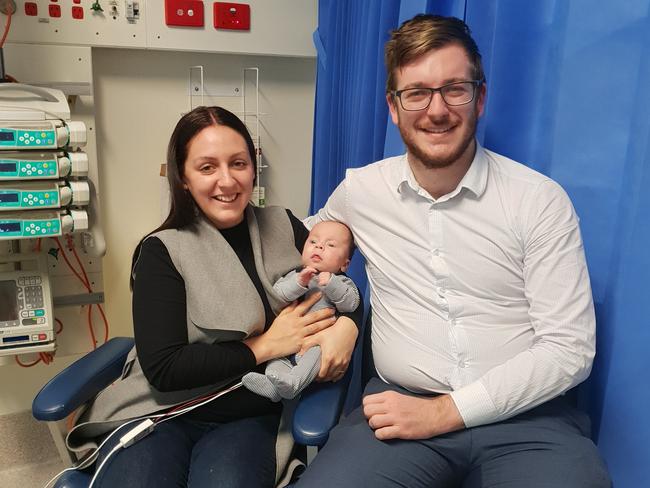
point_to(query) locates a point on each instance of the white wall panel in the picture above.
(278, 27)
(95, 29)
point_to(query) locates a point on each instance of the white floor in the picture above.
(29, 456)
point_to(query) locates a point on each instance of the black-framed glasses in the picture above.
(456, 93)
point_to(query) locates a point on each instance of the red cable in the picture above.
(7, 25)
(83, 278)
(61, 324)
(72, 247)
(101, 311)
(56, 239)
(185, 405)
(90, 327)
(26, 365)
(83, 282)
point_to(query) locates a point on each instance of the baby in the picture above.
(326, 254)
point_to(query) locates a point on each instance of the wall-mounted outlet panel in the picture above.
(184, 13)
(232, 16)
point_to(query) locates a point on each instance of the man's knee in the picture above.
(589, 471)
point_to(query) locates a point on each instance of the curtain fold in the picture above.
(351, 111)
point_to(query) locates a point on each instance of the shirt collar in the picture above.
(475, 180)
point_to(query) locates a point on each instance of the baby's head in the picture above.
(329, 247)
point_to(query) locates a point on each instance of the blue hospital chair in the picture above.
(317, 412)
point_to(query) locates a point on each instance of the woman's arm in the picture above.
(160, 327)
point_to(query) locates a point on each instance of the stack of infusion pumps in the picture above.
(44, 192)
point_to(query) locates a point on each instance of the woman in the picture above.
(205, 314)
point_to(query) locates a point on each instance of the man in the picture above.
(482, 315)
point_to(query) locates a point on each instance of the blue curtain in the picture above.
(568, 95)
(351, 109)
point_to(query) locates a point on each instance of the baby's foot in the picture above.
(260, 384)
(283, 385)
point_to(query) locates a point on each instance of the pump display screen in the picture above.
(8, 301)
(9, 227)
(6, 136)
(8, 197)
(7, 167)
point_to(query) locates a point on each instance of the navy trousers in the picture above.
(184, 453)
(546, 447)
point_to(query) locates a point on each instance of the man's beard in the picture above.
(431, 162)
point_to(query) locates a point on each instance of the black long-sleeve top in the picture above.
(168, 361)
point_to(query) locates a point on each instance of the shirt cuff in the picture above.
(474, 404)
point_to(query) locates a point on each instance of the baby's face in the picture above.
(327, 247)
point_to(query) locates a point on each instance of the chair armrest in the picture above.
(319, 410)
(321, 404)
(82, 380)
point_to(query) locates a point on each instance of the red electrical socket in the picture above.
(77, 12)
(232, 16)
(31, 8)
(184, 13)
(55, 10)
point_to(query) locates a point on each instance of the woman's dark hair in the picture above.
(183, 211)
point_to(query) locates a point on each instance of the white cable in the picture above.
(56, 476)
(168, 416)
(99, 468)
(85, 463)
(91, 458)
(164, 417)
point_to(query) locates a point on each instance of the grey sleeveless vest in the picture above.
(222, 305)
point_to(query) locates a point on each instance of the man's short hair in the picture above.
(423, 33)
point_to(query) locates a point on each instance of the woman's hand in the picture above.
(337, 343)
(288, 331)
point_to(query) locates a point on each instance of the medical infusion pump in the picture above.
(47, 134)
(26, 319)
(21, 166)
(42, 223)
(46, 194)
(32, 117)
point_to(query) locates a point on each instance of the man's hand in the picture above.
(305, 276)
(393, 415)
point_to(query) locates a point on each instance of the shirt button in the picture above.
(463, 364)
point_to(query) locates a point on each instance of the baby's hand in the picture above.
(305, 276)
(324, 278)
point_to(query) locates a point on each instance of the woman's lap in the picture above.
(182, 453)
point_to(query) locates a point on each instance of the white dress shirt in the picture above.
(482, 293)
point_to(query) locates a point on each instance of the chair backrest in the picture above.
(362, 364)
